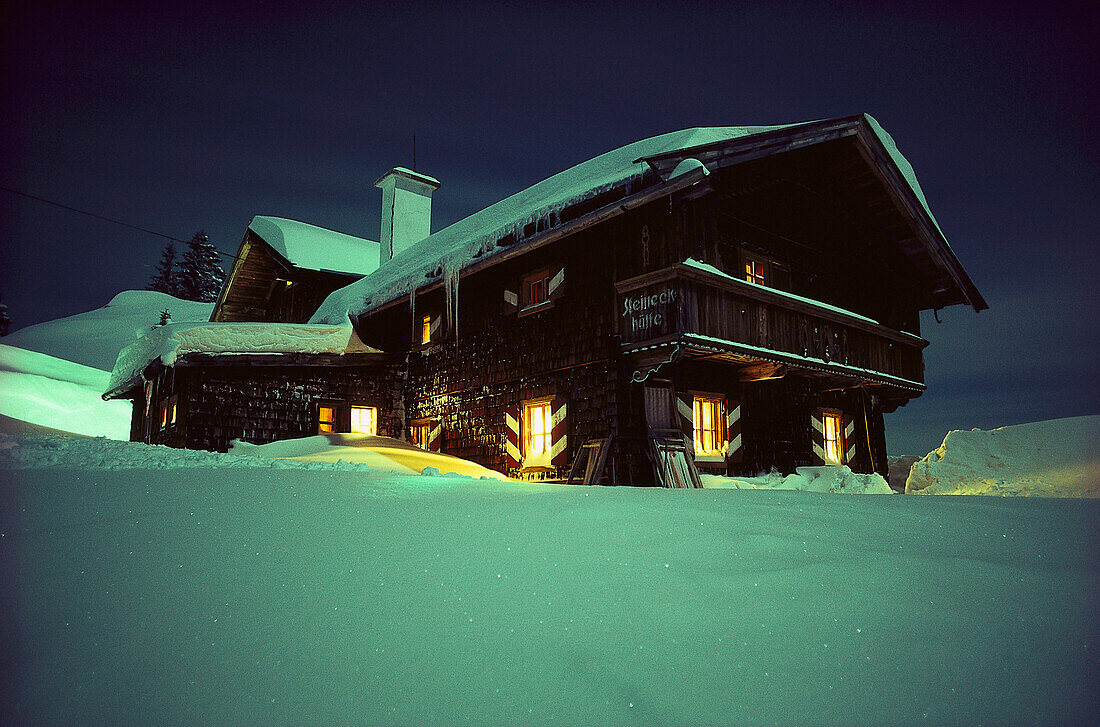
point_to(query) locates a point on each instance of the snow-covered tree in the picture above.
(166, 277)
(200, 275)
(5, 321)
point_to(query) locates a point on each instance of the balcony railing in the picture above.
(692, 303)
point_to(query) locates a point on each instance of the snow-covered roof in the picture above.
(315, 248)
(475, 237)
(168, 343)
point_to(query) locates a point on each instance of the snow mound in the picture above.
(128, 316)
(832, 479)
(171, 341)
(1056, 458)
(58, 394)
(379, 453)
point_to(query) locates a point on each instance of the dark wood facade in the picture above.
(780, 293)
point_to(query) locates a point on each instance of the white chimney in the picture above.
(406, 209)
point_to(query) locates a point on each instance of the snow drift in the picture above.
(1057, 458)
(94, 338)
(59, 394)
(807, 479)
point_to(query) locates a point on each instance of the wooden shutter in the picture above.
(685, 407)
(559, 433)
(512, 450)
(849, 424)
(511, 300)
(435, 435)
(817, 437)
(555, 286)
(734, 445)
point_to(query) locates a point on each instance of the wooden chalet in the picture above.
(731, 300)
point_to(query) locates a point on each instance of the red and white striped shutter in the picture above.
(435, 324)
(817, 437)
(511, 441)
(559, 433)
(511, 301)
(685, 404)
(734, 445)
(555, 288)
(849, 438)
(435, 435)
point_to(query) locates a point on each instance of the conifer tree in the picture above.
(166, 277)
(200, 275)
(5, 321)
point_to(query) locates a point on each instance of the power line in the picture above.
(101, 217)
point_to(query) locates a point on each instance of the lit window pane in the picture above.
(707, 418)
(364, 419)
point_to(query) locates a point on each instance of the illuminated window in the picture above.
(421, 431)
(426, 329)
(537, 426)
(326, 419)
(834, 437)
(536, 289)
(707, 421)
(755, 270)
(364, 419)
(164, 414)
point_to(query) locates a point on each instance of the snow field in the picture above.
(264, 595)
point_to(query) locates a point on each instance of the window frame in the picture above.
(837, 416)
(334, 423)
(373, 419)
(535, 277)
(749, 264)
(718, 402)
(541, 460)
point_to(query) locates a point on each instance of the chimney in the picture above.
(406, 210)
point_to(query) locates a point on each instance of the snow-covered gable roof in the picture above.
(315, 248)
(168, 343)
(474, 238)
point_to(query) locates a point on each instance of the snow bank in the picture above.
(58, 394)
(94, 338)
(1056, 458)
(170, 342)
(315, 248)
(268, 596)
(380, 453)
(834, 479)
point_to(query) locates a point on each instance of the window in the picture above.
(426, 329)
(364, 419)
(421, 432)
(326, 419)
(755, 270)
(536, 289)
(707, 419)
(537, 428)
(833, 431)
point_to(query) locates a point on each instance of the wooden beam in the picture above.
(762, 371)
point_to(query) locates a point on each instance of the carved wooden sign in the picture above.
(649, 312)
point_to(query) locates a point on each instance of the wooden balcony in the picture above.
(706, 310)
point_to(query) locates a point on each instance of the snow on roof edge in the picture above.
(168, 343)
(311, 247)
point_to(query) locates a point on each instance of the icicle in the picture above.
(450, 293)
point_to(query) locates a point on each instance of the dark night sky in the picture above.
(177, 120)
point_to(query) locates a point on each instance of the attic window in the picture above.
(536, 289)
(755, 268)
